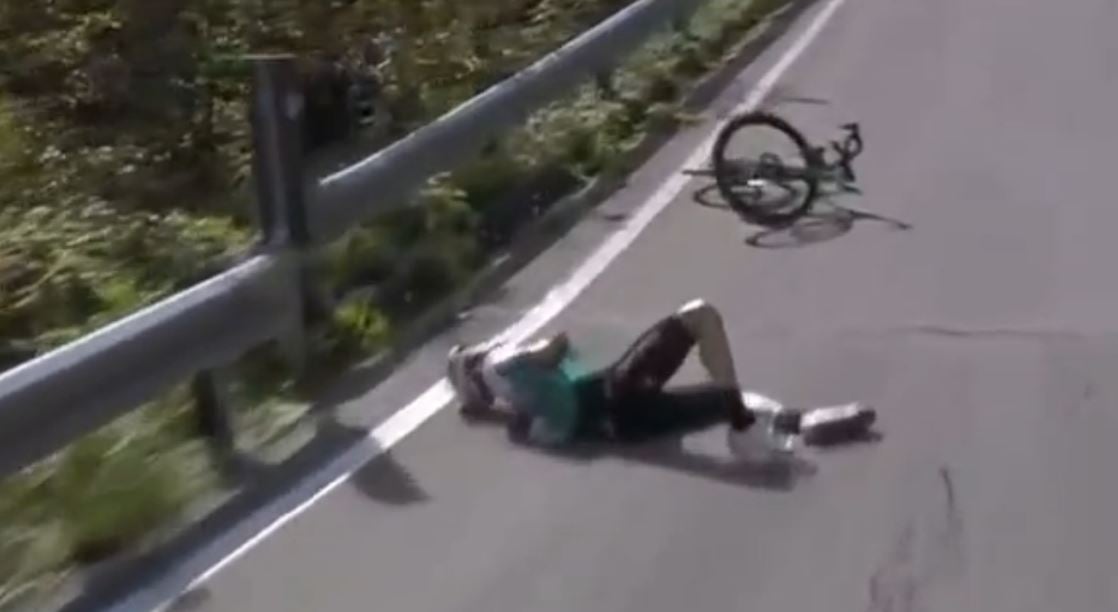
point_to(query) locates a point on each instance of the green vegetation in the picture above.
(124, 158)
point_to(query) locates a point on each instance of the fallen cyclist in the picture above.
(547, 398)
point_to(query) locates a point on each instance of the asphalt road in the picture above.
(985, 335)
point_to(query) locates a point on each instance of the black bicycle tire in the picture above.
(722, 174)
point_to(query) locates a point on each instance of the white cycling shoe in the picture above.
(759, 444)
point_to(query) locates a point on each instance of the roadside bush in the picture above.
(124, 159)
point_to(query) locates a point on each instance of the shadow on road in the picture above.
(826, 221)
(381, 479)
(386, 481)
(670, 453)
(823, 224)
(784, 95)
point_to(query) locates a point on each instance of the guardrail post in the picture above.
(277, 121)
(605, 83)
(214, 418)
(278, 106)
(211, 406)
(681, 21)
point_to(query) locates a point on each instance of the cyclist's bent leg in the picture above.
(642, 416)
(638, 378)
(704, 322)
(653, 358)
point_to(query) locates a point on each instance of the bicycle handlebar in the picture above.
(853, 145)
(848, 149)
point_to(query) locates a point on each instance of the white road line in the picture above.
(267, 521)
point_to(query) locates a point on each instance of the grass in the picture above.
(127, 485)
(105, 493)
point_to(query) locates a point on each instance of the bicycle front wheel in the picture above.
(764, 169)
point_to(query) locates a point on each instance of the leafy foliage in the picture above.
(108, 490)
(124, 167)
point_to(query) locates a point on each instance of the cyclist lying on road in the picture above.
(549, 400)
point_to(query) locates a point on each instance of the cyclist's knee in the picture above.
(700, 317)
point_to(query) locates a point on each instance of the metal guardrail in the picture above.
(48, 402)
(343, 198)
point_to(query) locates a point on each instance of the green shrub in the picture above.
(115, 192)
(104, 494)
(359, 327)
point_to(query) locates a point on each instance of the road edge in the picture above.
(158, 579)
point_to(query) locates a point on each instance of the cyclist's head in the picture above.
(461, 371)
(546, 352)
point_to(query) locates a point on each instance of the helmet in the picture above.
(461, 371)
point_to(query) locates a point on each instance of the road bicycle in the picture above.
(774, 190)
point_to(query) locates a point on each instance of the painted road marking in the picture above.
(213, 558)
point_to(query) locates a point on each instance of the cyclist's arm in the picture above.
(547, 410)
(529, 429)
(547, 353)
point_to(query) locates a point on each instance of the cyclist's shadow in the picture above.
(826, 221)
(671, 453)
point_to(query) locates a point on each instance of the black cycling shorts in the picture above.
(628, 400)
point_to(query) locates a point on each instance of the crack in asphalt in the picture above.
(995, 333)
(899, 584)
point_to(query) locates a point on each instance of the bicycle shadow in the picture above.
(821, 225)
(826, 221)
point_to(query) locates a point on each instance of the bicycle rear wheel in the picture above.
(764, 168)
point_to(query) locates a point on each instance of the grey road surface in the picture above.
(986, 336)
